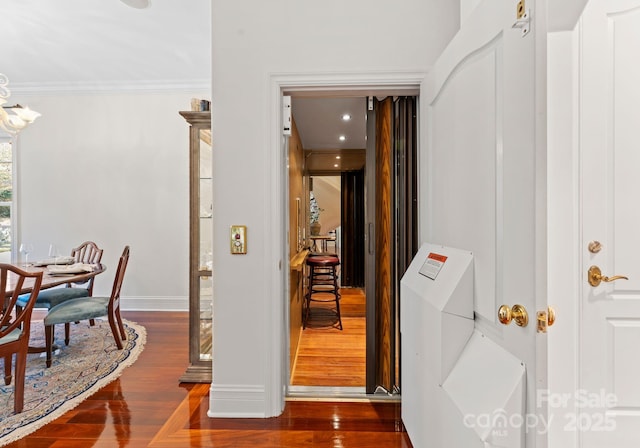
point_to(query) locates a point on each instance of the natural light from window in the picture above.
(6, 199)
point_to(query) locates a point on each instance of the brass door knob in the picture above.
(518, 313)
(594, 276)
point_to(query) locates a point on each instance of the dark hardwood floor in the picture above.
(147, 406)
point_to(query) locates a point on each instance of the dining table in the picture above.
(50, 279)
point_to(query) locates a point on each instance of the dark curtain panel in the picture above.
(406, 203)
(352, 230)
(405, 185)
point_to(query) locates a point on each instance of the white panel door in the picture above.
(607, 403)
(484, 173)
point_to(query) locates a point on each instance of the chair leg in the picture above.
(48, 336)
(123, 333)
(7, 369)
(114, 329)
(21, 366)
(67, 333)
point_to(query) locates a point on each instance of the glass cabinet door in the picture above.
(200, 249)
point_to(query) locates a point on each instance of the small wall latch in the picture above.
(523, 18)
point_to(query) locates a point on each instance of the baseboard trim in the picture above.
(154, 304)
(236, 401)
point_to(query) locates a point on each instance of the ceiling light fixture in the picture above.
(13, 118)
(346, 117)
(138, 4)
(337, 157)
(342, 138)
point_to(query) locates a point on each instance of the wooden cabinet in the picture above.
(200, 248)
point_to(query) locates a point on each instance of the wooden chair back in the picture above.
(14, 318)
(114, 301)
(88, 252)
(13, 278)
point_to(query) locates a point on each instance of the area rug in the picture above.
(89, 362)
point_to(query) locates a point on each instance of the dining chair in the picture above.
(84, 308)
(87, 252)
(15, 326)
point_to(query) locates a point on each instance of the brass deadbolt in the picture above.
(595, 247)
(518, 313)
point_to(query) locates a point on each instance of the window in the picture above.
(6, 199)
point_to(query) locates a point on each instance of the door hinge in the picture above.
(286, 115)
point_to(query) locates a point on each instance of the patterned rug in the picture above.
(91, 361)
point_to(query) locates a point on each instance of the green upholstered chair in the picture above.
(90, 308)
(87, 252)
(15, 326)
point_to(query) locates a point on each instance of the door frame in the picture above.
(565, 233)
(326, 84)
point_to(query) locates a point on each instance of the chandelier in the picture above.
(13, 118)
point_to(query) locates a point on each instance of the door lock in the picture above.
(518, 313)
(546, 318)
(594, 276)
(594, 247)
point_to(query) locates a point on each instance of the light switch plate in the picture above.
(238, 239)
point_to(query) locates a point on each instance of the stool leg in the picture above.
(307, 300)
(324, 277)
(305, 310)
(337, 293)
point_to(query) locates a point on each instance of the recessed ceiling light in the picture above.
(342, 138)
(336, 165)
(337, 157)
(346, 117)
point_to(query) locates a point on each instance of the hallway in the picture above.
(329, 357)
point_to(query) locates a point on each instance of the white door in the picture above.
(607, 404)
(485, 176)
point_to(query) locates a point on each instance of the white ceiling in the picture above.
(320, 124)
(67, 45)
(62, 43)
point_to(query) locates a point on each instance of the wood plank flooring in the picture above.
(328, 356)
(147, 406)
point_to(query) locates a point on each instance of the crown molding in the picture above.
(155, 86)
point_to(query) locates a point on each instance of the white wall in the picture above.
(252, 41)
(326, 190)
(112, 168)
(466, 7)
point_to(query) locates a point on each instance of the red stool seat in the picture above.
(323, 260)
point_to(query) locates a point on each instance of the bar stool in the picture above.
(323, 284)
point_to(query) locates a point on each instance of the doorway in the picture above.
(387, 145)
